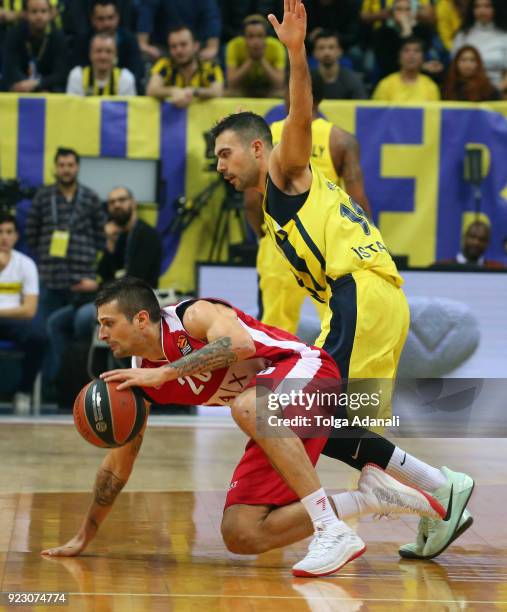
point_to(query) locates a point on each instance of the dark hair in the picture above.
(180, 28)
(499, 17)
(475, 89)
(132, 295)
(326, 34)
(255, 20)
(411, 40)
(7, 217)
(247, 126)
(63, 152)
(104, 3)
(478, 223)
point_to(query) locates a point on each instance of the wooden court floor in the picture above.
(161, 549)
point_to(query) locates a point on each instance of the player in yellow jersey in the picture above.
(336, 153)
(340, 257)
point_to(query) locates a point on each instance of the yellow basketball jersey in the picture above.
(321, 153)
(328, 237)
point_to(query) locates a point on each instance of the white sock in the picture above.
(320, 510)
(412, 471)
(349, 504)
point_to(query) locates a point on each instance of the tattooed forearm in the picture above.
(215, 355)
(93, 523)
(107, 487)
(136, 446)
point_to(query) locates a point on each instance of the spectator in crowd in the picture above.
(467, 80)
(133, 248)
(200, 16)
(35, 53)
(450, 15)
(105, 19)
(485, 28)
(408, 85)
(340, 16)
(76, 19)
(65, 229)
(19, 294)
(101, 77)
(340, 83)
(374, 13)
(233, 13)
(255, 62)
(476, 240)
(388, 38)
(183, 76)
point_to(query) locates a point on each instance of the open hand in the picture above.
(137, 377)
(73, 548)
(292, 31)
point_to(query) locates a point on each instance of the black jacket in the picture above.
(138, 252)
(48, 53)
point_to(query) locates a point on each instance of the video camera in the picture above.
(12, 192)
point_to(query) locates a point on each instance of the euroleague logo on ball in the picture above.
(100, 425)
(183, 344)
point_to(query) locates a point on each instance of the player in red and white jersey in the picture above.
(205, 351)
(274, 348)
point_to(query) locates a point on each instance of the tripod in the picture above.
(231, 207)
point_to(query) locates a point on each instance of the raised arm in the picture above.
(111, 478)
(345, 155)
(289, 162)
(216, 324)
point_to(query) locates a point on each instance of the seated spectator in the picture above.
(233, 13)
(388, 38)
(105, 19)
(408, 85)
(485, 28)
(200, 16)
(467, 80)
(450, 15)
(476, 241)
(374, 13)
(340, 83)
(76, 17)
(182, 76)
(255, 62)
(19, 294)
(35, 53)
(133, 248)
(340, 16)
(101, 77)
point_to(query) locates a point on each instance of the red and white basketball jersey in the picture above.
(221, 386)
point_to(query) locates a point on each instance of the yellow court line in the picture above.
(349, 599)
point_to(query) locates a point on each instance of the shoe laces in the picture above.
(324, 540)
(389, 516)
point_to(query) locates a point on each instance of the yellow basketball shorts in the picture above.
(364, 330)
(280, 296)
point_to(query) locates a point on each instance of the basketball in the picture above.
(107, 417)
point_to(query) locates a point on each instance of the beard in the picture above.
(122, 217)
(67, 181)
